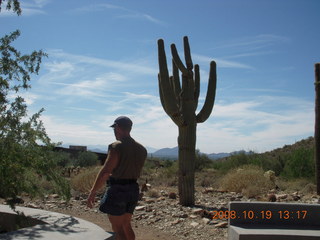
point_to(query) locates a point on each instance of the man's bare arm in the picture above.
(111, 162)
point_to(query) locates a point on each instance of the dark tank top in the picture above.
(132, 156)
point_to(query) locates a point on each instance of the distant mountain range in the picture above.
(170, 153)
(173, 153)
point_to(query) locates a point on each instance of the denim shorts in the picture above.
(120, 199)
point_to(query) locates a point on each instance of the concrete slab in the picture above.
(261, 233)
(276, 221)
(55, 226)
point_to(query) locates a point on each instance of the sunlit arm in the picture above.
(111, 162)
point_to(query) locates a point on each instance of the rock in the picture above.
(233, 198)
(148, 209)
(175, 222)
(164, 193)
(272, 197)
(205, 220)
(213, 222)
(54, 195)
(183, 215)
(282, 196)
(172, 195)
(221, 225)
(239, 196)
(149, 200)
(194, 224)
(161, 199)
(208, 190)
(198, 211)
(32, 205)
(140, 208)
(296, 197)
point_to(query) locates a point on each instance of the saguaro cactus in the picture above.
(180, 102)
(317, 126)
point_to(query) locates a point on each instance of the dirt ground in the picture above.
(142, 232)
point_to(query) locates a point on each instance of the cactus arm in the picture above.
(197, 85)
(175, 116)
(206, 110)
(176, 79)
(187, 53)
(161, 95)
(177, 60)
(167, 96)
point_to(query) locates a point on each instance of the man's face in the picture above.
(117, 132)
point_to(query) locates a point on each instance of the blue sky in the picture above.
(103, 63)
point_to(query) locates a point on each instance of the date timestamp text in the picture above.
(265, 214)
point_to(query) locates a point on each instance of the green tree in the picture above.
(25, 148)
(12, 4)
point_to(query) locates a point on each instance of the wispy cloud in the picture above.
(72, 132)
(120, 65)
(71, 79)
(137, 15)
(220, 62)
(28, 97)
(260, 124)
(253, 43)
(244, 48)
(122, 12)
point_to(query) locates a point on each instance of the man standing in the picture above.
(122, 168)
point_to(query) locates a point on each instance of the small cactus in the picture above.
(180, 101)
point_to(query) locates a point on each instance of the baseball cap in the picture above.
(123, 122)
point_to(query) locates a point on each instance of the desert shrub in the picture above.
(248, 179)
(236, 160)
(83, 182)
(300, 164)
(274, 164)
(86, 159)
(171, 171)
(202, 161)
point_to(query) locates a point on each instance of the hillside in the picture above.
(307, 143)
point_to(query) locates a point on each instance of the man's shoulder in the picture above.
(141, 147)
(115, 144)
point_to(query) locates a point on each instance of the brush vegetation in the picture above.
(292, 165)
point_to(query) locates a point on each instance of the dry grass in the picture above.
(248, 180)
(153, 193)
(302, 185)
(208, 178)
(84, 181)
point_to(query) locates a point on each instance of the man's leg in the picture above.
(127, 228)
(117, 226)
(121, 225)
